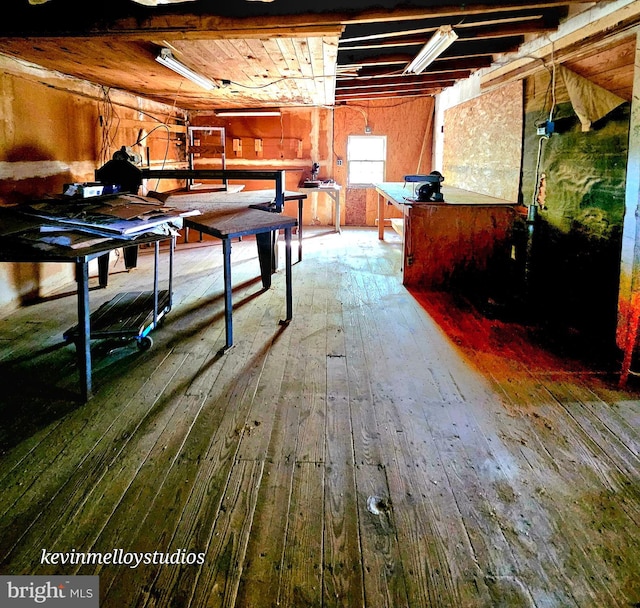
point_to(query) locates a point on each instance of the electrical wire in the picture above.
(268, 84)
(107, 116)
(160, 126)
(536, 186)
(553, 81)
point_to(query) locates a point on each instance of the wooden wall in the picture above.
(55, 130)
(483, 143)
(292, 142)
(302, 136)
(575, 266)
(408, 126)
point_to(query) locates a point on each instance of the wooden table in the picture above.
(228, 221)
(25, 243)
(333, 191)
(440, 239)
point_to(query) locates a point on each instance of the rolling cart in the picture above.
(132, 315)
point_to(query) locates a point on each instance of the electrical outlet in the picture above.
(339, 162)
(547, 128)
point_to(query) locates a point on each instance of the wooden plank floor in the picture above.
(384, 449)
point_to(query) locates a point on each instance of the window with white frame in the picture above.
(366, 158)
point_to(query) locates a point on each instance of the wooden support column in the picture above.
(629, 294)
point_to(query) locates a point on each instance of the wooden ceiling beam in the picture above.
(373, 83)
(174, 35)
(399, 59)
(381, 73)
(414, 87)
(437, 67)
(385, 95)
(505, 30)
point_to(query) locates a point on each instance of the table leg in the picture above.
(172, 249)
(130, 255)
(275, 235)
(156, 281)
(83, 343)
(380, 217)
(299, 230)
(228, 305)
(264, 240)
(289, 279)
(336, 198)
(103, 270)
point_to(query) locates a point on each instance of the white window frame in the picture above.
(354, 156)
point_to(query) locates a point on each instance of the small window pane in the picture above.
(366, 172)
(366, 148)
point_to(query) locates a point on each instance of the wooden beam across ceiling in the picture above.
(374, 83)
(345, 96)
(438, 66)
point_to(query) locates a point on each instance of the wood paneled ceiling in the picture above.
(280, 53)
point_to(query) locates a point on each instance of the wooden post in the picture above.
(629, 292)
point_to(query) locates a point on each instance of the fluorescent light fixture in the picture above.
(256, 112)
(167, 59)
(443, 38)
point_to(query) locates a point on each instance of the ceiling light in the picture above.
(256, 112)
(443, 38)
(167, 59)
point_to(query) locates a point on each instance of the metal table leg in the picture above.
(289, 283)
(299, 230)
(228, 305)
(83, 344)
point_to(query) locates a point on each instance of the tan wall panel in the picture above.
(483, 143)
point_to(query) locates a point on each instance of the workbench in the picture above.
(228, 221)
(441, 240)
(29, 238)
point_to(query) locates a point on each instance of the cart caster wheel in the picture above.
(145, 343)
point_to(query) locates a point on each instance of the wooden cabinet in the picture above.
(442, 242)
